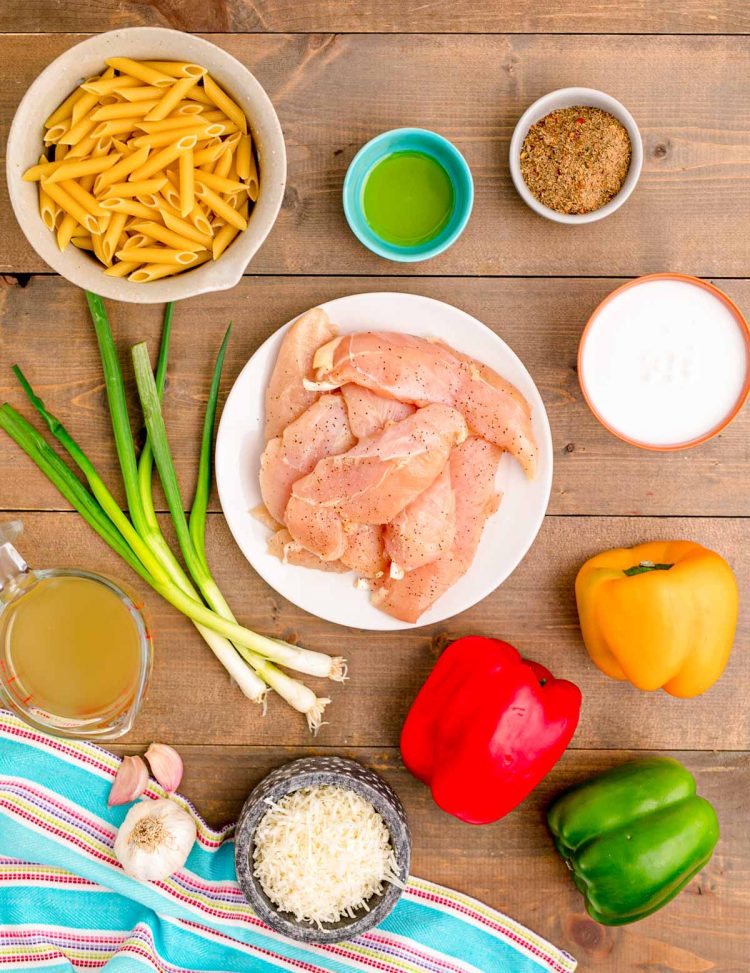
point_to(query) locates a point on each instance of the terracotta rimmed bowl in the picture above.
(315, 772)
(145, 43)
(569, 98)
(732, 413)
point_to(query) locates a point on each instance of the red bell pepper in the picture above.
(486, 727)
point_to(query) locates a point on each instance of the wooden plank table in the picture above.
(338, 73)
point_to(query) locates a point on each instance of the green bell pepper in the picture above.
(633, 837)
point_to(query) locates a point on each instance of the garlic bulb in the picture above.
(155, 839)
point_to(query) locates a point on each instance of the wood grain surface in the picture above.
(390, 16)
(339, 72)
(689, 95)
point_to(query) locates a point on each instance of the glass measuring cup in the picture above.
(99, 694)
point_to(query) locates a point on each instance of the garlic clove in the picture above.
(166, 765)
(155, 839)
(130, 781)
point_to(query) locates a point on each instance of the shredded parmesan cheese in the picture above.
(322, 852)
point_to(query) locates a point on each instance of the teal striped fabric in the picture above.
(65, 903)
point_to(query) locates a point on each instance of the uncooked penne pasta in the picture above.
(140, 70)
(242, 157)
(125, 190)
(65, 231)
(221, 184)
(104, 86)
(112, 235)
(121, 269)
(71, 206)
(177, 69)
(172, 97)
(129, 206)
(159, 255)
(148, 167)
(123, 109)
(65, 110)
(222, 101)
(223, 164)
(219, 206)
(67, 170)
(145, 92)
(82, 196)
(187, 182)
(186, 229)
(169, 237)
(160, 160)
(121, 169)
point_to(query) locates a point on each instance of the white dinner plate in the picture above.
(508, 534)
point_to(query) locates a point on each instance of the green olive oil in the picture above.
(407, 198)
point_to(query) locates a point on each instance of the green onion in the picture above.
(290, 656)
(139, 540)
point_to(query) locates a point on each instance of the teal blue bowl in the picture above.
(408, 140)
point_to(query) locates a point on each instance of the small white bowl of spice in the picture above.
(576, 155)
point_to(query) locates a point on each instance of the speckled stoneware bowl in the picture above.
(314, 772)
(145, 43)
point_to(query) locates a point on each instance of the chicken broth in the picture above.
(71, 648)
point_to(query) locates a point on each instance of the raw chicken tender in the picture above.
(411, 369)
(374, 481)
(370, 412)
(365, 550)
(425, 529)
(286, 396)
(321, 430)
(283, 546)
(473, 466)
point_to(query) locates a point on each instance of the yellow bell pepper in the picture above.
(660, 615)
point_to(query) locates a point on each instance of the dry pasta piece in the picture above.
(83, 108)
(228, 232)
(138, 240)
(187, 181)
(71, 206)
(172, 239)
(121, 169)
(221, 184)
(125, 190)
(104, 86)
(157, 140)
(82, 196)
(160, 160)
(186, 229)
(66, 170)
(171, 99)
(177, 69)
(121, 269)
(199, 95)
(223, 163)
(159, 255)
(77, 132)
(48, 209)
(115, 126)
(82, 242)
(156, 271)
(123, 109)
(65, 110)
(209, 153)
(113, 233)
(68, 226)
(145, 92)
(219, 206)
(140, 70)
(83, 148)
(222, 101)
(242, 157)
(189, 108)
(199, 219)
(129, 206)
(170, 124)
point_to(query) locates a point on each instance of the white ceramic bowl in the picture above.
(145, 43)
(567, 98)
(508, 534)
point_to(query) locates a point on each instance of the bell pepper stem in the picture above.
(644, 567)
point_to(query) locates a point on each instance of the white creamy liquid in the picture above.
(664, 362)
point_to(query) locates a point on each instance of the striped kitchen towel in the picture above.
(65, 903)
